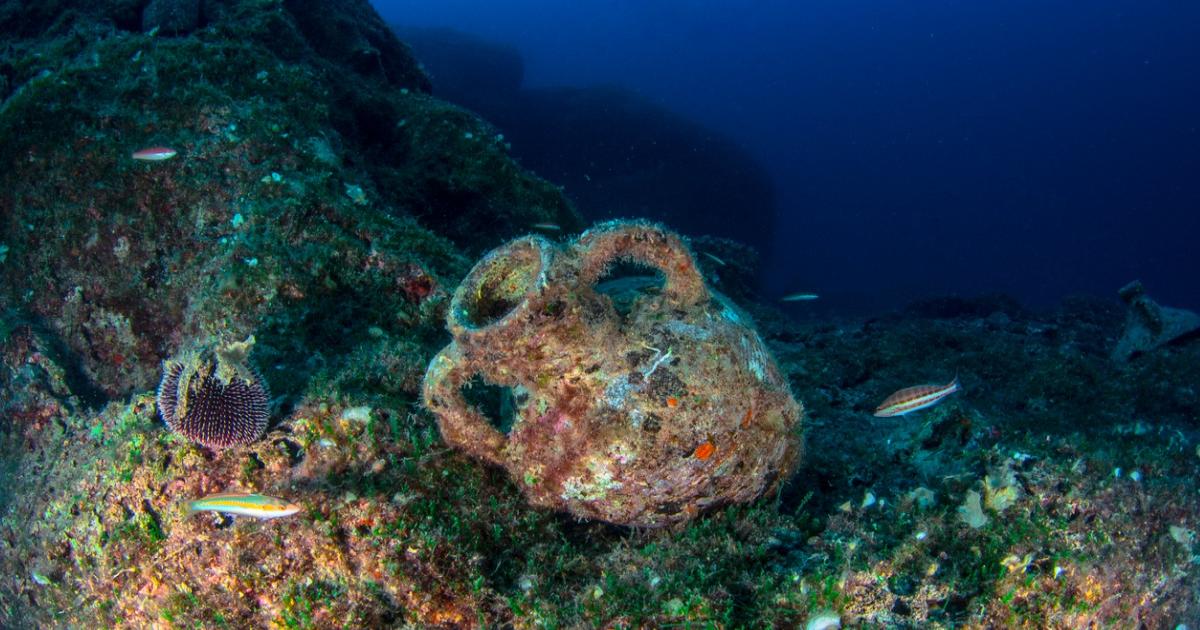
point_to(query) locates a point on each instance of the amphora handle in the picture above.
(495, 296)
(645, 243)
(462, 425)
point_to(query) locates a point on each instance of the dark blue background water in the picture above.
(1036, 147)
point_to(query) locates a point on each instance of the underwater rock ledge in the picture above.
(301, 185)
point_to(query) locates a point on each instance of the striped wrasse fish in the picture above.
(914, 398)
(244, 504)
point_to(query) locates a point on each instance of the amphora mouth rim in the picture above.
(498, 289)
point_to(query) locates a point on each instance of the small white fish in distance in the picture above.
(799, 297)
(546, 227)
(154, 154)
(913, 398)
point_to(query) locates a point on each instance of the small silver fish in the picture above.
(714, 259)
(799, 297)
(546, 227)
(154, 154)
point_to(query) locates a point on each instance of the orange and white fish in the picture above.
(914, 398)
(154, 154)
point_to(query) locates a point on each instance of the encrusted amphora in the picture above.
(639, 412)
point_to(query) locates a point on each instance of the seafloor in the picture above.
(323, 201)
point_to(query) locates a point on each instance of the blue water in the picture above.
(1039, 148)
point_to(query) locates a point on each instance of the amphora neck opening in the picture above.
(498, 289)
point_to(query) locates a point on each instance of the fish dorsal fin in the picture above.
(228, 494)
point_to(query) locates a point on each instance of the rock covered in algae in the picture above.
(249, 229)
(642, 415)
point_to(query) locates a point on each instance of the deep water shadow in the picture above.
(627, 156)
(74, 375)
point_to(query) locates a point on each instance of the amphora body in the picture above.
(644, 415)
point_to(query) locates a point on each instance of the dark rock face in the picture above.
(19, 18)
(349, 33)
(615, 154)
(619, 156)
(171, 16)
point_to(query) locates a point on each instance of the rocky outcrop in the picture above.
(616, 154)
(302, 179)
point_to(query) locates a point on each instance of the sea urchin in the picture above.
(216, 400)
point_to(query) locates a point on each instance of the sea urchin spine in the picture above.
(217, 402)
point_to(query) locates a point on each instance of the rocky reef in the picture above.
(321, 200)
(295, 206)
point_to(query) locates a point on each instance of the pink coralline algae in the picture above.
(214, 399)
(641, 411)
(415, 283)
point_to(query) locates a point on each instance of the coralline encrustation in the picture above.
(642, 415)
